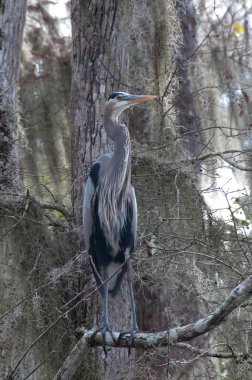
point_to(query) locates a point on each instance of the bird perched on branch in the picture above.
(110, 209)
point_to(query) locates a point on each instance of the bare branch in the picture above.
(222, 155)
(237, 166)
(210, 352)
(56, 207)
(73, 360)
(163, 338)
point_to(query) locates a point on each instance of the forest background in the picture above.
(191, 170)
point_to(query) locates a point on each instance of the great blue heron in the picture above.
(110, 209)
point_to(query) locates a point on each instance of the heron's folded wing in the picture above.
(132, 198)
(87, 211)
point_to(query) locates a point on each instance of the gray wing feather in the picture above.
(132, 197)
(103, 160)
(86, 211)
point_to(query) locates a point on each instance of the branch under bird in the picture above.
(110, 210)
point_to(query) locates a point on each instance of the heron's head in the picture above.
(120, 101)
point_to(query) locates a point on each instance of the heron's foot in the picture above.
(104, 327)
(130, 339)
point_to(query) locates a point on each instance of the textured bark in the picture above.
(17, 326)
(12, 18)
(12, 283)
(187, 118)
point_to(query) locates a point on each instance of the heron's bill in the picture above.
(143, 98)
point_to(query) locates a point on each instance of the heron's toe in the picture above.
(104, 327)
(130, 338)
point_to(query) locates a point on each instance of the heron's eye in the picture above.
(119, 97)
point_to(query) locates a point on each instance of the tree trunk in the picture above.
(12, 18)
(130, 47)
(16, 326)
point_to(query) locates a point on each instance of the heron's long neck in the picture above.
(122, 145)
(115, 183)
(120, 163)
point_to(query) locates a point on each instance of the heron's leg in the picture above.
(133, 307)
(105, 304)
(104, 326)
(132, 298)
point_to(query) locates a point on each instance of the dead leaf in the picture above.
(228, 75)
(245, 96)
(241, 113)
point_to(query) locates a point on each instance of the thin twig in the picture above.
(183, 61)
